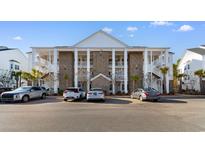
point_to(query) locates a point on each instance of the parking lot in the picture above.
(115, 114)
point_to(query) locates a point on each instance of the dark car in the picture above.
(146, 94)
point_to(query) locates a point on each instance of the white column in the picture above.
(55, 64)
(33, 58)
(113, 71)
(88, 69)
(167, 65)
(125, 71)
(151, 69)
(145, 67)
(49, 59)
(203, 63)
(76, 67)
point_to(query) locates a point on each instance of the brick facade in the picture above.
(66, 70)
(135, 67)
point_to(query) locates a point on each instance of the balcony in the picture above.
(118, 64)
(44, 65)
(83, 64)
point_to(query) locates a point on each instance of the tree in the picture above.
(164, 71)
(17, 76)
(66, 78)
(5, 78)
(34, 76)
(134, 79)
(180, 76)
(200, 73)
(27, 76)
(175, 74)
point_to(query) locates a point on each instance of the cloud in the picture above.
(108, 30)
(18, 38)
(132, 28)
(131, 35)
(161, 23)
(185, 28)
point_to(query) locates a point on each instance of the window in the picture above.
(188, 67)
(16, 67)
(11, 66)
(188, 77)
(110, 61)
(110, 87)
(36, 88)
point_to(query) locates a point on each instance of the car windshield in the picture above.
(96, 89)
(150, 89)
(72, 89)
(22, 89)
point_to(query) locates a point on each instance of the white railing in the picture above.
(84, 64)
(45, 65)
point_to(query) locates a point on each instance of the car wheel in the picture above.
(43, 96)
(140, 98)
(65, 99)
(25, 98)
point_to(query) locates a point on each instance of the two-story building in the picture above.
(11, 60)
(192, 60)
(101, 60)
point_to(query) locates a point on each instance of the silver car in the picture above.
(146, 94)
(23, 94)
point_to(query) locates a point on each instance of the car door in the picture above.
(32, 93)
(82, 93)
(135, 93)
(36, 92)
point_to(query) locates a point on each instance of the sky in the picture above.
(177, 35)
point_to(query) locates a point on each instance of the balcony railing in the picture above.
(83, 64)
(117, 64)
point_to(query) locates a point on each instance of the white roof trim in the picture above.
(104, 76)
(112, 37)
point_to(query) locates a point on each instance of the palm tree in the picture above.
(180, 76)
(134, 79)
(66, 78)
(18, 78)
(164, 71)
(34, 76)
(27, 76)
(175, 74)
(200, 73)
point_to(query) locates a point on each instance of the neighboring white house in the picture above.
(11, 59)
(193, 59)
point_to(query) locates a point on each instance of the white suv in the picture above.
(73, 93)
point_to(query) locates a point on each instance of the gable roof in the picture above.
(104, 76)
(200, 51)
(4, 48)
(109, 41)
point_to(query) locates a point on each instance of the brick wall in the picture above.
(135, 67)
(66, 68)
